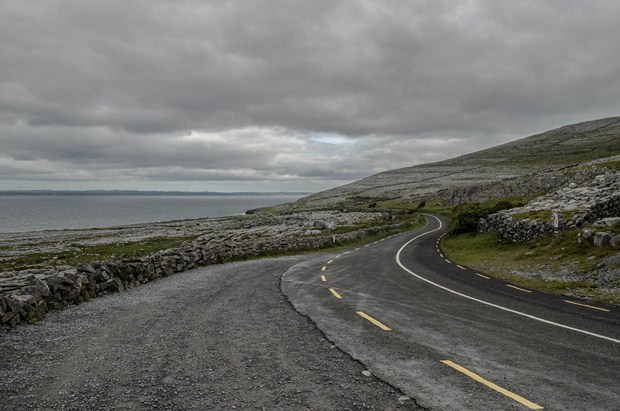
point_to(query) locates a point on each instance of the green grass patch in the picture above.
(85, 254)
(439, 209)
(500, 258)
(539, 215)
(613, 165)
(545, 215)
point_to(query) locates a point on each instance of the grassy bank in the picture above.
(556, 264)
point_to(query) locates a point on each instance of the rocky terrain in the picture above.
(595, 201)
(42, 271)
(521, 167)
(26, 295)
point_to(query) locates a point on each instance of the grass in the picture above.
(500, 258)
(613, 165)
(88, 254)
(539, 215)
(545, 215)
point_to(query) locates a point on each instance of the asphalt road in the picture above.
(454, 339)
(298, 333)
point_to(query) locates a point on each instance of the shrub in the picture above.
(465, 217)
(501, 205)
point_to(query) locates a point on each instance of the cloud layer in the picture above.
(284, 94)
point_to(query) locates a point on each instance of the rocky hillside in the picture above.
(516, 168)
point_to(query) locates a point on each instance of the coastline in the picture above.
(66, 271)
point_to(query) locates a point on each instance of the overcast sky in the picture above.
(286, 95)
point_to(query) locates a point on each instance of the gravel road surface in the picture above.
(219, 337)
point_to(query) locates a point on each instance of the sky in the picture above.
(286, 95)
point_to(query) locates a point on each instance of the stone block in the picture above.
(602, 239)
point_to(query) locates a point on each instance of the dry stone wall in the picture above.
(26, 296)
(580, 205)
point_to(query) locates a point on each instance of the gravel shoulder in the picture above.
(218, 337)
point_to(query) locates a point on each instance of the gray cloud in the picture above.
(220, 91)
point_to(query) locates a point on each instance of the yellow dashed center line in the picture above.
(588, 306)
(323, 278)
(372, 320)
(324, 268)
(483, 276)
(518, 398)
(338, 256)
(335, 293)
(517, 288)
(441, 255)
(447, 261)
(461, 267)
(330, 261)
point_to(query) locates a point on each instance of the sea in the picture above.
(20, 213)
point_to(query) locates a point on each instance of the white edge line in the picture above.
(486, 302)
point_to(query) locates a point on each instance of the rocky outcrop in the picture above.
(520, 186)
(26, 296)
(517, 168)
(567, 208)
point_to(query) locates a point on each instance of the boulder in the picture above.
(602, 239)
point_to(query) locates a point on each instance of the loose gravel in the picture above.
(219, 337)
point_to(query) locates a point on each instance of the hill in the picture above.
(520, 167)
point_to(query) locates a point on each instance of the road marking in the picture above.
(372, 320)
(499, 307)
(441, 255)
(324, 268)
(448, 261)
(323, 278)
(366, 245)
(335, 293)
(461, 267)
(338, 256)
(517, 288)
(330, 261)
(347, 252)
(483, 276)
(586, 305)
(356, 249)
(518, 398)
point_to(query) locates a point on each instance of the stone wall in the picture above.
(576, 204)
(26, 296)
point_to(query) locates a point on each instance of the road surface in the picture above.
(455, 339)
(390, 325)
(219, 337)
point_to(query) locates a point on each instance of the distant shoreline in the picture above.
(25, 212)
(141, 193)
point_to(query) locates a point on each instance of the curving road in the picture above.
(455, 339)
(224, 337)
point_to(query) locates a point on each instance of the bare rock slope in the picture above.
(519, 167)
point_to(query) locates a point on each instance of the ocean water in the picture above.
(42, 212)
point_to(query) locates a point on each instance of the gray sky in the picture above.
(286, 95)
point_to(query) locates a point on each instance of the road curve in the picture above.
(218, 337)
(453, 338)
